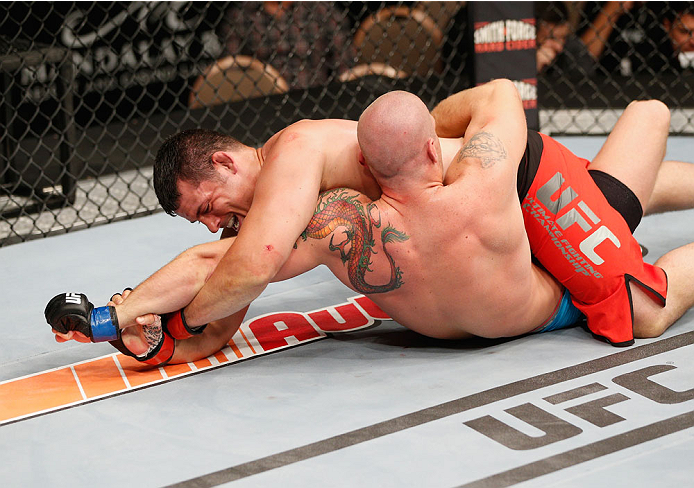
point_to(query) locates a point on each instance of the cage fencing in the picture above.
(91, 89)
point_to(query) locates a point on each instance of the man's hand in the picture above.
(116, 299)
(73, 312)
(134, 338)
(547, 52)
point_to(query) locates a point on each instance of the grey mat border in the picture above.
(459, 405)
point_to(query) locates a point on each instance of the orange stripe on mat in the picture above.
(235, 348)
(37, 393)
(202, 363)
(221, 357)
(138, 374)
(101, 377)
(177, 369)
(247, 341)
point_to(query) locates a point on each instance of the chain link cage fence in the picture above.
(91, 89)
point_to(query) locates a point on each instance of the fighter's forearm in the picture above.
(471, 108)
(233, 285)
(173, 286)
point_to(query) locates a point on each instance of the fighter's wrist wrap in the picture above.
(104, 324)
(175, 324)
(162, 353)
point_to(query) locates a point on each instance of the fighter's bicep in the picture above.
(304, 257)
(485, 154)
(486, 149)
(505, 121)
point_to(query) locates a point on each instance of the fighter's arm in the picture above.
(466, 112)
(495, 140)
(215, 336)
(173, 286)
(218, 333)
(167, 290)
(283, 203)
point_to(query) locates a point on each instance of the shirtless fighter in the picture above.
(297, 164)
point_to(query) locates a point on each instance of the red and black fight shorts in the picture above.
(584, 241)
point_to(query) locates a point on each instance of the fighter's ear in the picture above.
(431, 150)
(224, 159)
(361, 158)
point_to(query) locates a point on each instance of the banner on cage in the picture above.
(504, 47)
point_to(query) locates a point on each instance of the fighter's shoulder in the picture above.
(344, 195)
(316, 129)
(304, 132)
(343, 202)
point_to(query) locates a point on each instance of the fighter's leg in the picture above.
(634, 150)
(633, 153)
(674, 188)
(650, 319)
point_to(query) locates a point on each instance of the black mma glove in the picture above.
(72, 311)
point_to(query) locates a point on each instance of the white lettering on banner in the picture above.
(518, 30)
(509, 35)
(491, 32)
(135, 63)
(527, 92)
(142, 12)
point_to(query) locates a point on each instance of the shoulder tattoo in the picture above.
(340, 208)
(486, 147)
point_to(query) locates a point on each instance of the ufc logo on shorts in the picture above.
(73, 298)
(596, 236)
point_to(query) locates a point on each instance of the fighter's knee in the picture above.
(645, 332)
(654, 326)
(655, 111)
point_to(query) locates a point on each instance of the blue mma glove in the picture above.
(72, 311)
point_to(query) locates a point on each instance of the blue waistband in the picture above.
(566, 315)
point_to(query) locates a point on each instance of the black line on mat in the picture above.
(436, 412)
(585, 453)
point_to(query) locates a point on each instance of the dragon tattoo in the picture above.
(341, 208)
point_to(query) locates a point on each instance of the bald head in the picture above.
(394, 131)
